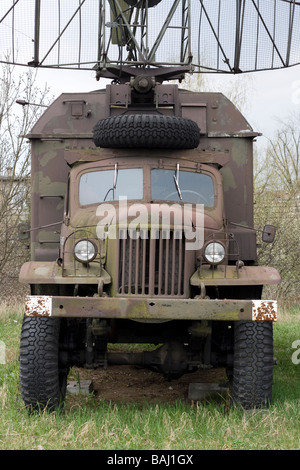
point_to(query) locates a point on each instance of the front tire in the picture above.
(253, 364)
(43, 378)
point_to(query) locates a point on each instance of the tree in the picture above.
(276, 185)
(238, 88)
(284, 155)
(277, 196)
(15, 123)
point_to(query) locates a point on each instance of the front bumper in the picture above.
(154, 309)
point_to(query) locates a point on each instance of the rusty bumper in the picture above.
(150, 308)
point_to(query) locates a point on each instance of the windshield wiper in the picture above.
(115, 180)
(113, 189)
(176, 181)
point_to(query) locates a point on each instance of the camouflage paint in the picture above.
(62, 143)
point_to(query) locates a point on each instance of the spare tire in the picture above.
(146, 131)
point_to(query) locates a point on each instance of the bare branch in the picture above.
(15, 123)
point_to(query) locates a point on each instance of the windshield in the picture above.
(182, 186)
(109, 185)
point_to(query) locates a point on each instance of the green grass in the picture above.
(89, 423)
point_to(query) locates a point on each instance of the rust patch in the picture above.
(264, 310)
(38, 306)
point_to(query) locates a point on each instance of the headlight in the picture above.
(214, 253)
(85, 251)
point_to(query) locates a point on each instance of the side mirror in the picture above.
(268, 234)
(23, 231)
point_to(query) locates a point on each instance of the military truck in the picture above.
(142, 232)
(142, 228)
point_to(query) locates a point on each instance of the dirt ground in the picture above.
(133, 384)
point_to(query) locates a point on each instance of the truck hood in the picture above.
(139, 216)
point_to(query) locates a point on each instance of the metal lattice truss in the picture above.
(113, 36)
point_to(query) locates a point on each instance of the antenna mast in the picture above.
(163, 39)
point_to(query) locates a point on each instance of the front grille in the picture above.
(152, 266)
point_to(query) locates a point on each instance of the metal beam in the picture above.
(134, 308)
(226, 60)
(62, 32)
(132, 37)
(259, 16)
(163, 30)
